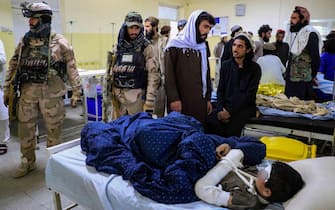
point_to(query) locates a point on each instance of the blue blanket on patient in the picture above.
(162, 158)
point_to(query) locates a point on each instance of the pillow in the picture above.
(319, 189)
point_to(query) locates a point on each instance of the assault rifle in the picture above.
(107, 106)
(14, 95)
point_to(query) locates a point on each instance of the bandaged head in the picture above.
(283, 181)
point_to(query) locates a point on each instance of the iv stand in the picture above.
(71, 24)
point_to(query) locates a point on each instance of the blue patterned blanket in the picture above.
(162, 158)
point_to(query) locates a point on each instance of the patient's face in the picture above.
(262, 178)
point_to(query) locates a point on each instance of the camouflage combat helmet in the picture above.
(35, 9)
(133, 18)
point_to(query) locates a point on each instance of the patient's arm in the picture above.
(206, 188)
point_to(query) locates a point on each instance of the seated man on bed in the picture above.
(227, 186)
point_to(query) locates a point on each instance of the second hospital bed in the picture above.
(278, 125)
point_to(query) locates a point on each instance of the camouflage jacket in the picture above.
(300, 67)
(61, 51)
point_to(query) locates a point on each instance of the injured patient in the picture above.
(227, 185)
(162, 158)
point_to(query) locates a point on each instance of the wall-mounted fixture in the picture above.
(240, 9)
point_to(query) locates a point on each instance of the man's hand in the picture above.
(222, 150)
(223, 116)
(76, 93)
(176, 106)
(148, 108)
(209, 107)
(74, 101)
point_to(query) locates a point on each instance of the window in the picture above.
(168, 15)
(324, 26)
(165, 12)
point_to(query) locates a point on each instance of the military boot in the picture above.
(24, 168)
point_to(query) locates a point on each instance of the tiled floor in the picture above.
(30, 192)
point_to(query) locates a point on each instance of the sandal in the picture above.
(3, 149)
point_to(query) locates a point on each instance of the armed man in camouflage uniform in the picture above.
(159, 44)
(304, 59)
(133, 79)
(41, 62)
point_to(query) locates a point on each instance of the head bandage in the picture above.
(268, 172)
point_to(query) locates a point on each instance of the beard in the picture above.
(149, 34)
(133, 36)
(201, 38)
(266, 39)
(35, 28)
(296, 27)
(40, 30)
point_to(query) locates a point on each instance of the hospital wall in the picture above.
(96, 26)
(92, 32)
(276, 13)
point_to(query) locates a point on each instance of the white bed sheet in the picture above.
(67, 174)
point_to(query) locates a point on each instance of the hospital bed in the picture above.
(310, 129)
(67, 174)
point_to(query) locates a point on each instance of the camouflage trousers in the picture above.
(32, 101)
(127, 101)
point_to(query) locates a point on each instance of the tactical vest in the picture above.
(129, 70)
(301, 69)
(34, 61)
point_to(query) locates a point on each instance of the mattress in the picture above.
(67, 174)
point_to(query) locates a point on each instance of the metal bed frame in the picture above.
(302, 127)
